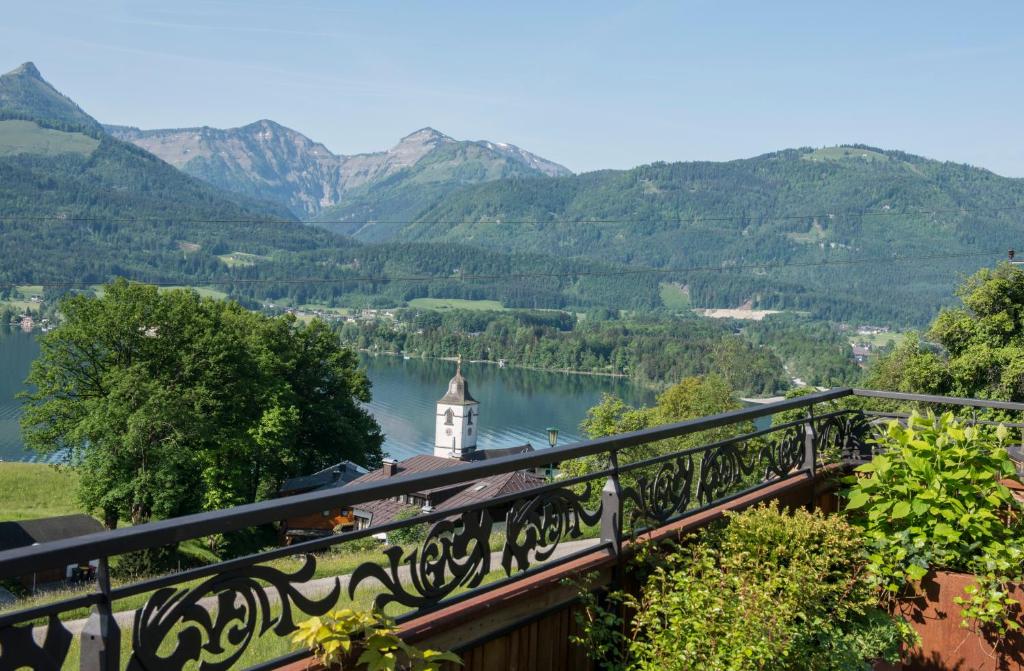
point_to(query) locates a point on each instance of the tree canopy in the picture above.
(168, 403)
(976, 350)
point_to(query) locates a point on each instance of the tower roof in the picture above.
(458, 389)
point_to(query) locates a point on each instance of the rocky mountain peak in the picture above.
(27, 69)
(24, 91)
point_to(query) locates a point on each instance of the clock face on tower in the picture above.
(447, 432)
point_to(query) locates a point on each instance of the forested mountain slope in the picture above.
(77, 205)
(790, 209)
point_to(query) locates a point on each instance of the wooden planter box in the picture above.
(945, 645)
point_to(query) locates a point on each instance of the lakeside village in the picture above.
(457, 418)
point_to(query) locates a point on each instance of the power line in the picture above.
(522, 222)
(514, 276)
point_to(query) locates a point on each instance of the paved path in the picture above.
(316, 588)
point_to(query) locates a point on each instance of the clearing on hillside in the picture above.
(675, 296)
(454, 304)
(28, 137)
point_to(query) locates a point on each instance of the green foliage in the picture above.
(336, 638)
(932, 500)
(982, 344)
(668, 215)
(691, 398)
(410, 535)
(167, 403)
(813, 351)
(769, 591)
(650, 349)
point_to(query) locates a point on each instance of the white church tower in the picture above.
(457, 420)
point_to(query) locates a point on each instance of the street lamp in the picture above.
(552, 441)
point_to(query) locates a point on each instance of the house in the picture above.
(325, 522)
(33, 532)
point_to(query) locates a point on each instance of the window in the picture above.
(469, 417)
(449, 417)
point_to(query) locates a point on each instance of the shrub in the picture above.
(768, 591)
(337, 637)
(407, 535)
(932, 500)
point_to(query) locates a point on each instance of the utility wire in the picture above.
(455, 222)
(513, 276)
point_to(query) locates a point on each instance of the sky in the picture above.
(590, 85)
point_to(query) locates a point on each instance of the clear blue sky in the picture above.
(588, 84)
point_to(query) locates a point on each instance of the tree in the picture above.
(691, 398)
(980, 349)
(168, 403)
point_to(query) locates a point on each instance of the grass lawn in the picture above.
(454, 304)
(28, 491)
(28, 137)
(674, 296)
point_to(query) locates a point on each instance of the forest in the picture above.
(788, 230)
(653, 350)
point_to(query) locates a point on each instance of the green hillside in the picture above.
(78, 205)
(751, 211)
(25, 92)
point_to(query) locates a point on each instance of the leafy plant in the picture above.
(769, 591)
(335, 638)
(932, 500)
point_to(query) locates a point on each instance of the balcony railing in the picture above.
(213, 617)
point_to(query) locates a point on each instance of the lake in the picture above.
(516, 405)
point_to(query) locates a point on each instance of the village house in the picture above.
(33, 532)
(324, 522)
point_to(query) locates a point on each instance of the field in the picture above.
(454, 304)
(241, 259)
(26, 137)
(878, 340)
(35, 490)
(839, 153)
(675, 296)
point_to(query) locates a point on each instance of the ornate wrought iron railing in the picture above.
(214, 617)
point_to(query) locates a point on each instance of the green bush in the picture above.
(769, 591)
(932, 500)
(409, 535)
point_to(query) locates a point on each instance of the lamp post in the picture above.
(552, 441)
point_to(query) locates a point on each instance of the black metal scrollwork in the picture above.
(456, 553)
(214, 632)
(847, 435)
(537, 525)
(726, 468)
(665, 494)
(19, 649)
(786, 452)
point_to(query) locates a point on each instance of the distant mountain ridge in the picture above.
(79, 206)
(267, 160)
(808, 216)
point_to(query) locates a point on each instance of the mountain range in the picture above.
(848, 233)
(79, 205)
(267, 160)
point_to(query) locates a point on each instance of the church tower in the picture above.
(456, 421)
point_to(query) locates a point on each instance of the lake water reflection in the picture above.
(516, 405)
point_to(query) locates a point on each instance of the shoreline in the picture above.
(564, 371)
